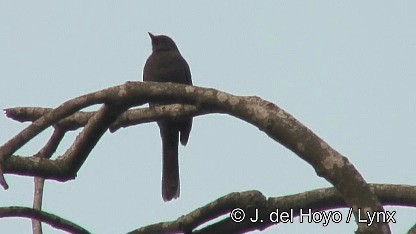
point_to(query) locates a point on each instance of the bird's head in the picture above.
(162, 42)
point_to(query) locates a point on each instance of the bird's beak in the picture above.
(151, 36)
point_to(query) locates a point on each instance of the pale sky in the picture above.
(345, 69)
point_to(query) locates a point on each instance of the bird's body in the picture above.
(166, 64)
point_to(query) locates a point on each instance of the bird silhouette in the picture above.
(166, 64)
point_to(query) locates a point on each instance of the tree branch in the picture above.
(316, 200)
(51, 219)
(269, 118)
(76, 155)
(46, 152)
(128, 118)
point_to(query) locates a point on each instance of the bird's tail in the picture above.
(170, 164)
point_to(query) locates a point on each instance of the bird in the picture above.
(166, 64)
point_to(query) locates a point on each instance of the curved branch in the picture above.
(51, 219)
(316, 200)
(269, 118)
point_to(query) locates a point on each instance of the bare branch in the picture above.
(65, 167)
(52, 144)
(316, 200)
(31, 114)
(51, 219)
(128, 118)
(36, 166)
(37, 203)
(64, 110)
(275, 122)
(45, 152)
(3, 182)
(75, 156)
(208, 212)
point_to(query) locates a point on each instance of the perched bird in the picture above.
(166, 64)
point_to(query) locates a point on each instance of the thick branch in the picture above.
(53, 220)
(316, 200)
(221, 206)
(275, 122)
(36, 166)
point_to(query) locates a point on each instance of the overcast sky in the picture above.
(346, 70)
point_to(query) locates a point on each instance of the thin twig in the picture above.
(46, 152)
